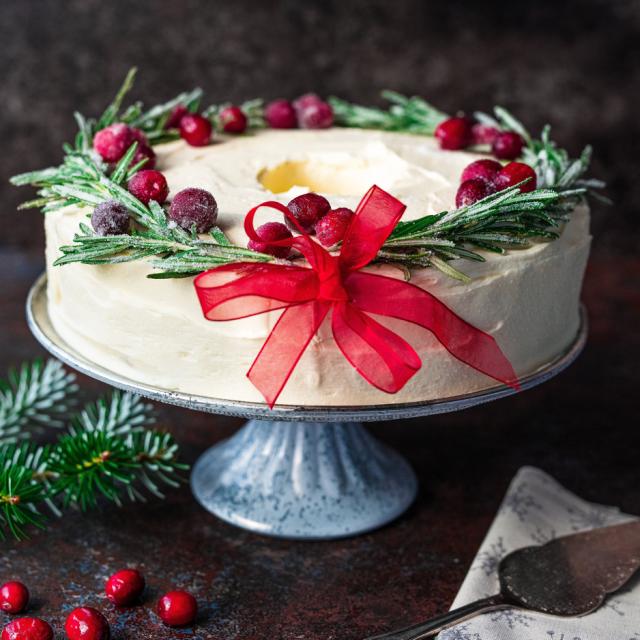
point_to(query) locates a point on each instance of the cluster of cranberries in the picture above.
(123, 589)
(484, 177)
(461, 132)
(112, 142)
(307, 112)
(313, 215)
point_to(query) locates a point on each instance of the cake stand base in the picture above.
(304, 480)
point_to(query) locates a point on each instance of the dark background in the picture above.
(573, 64)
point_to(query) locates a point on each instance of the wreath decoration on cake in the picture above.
(522, 197)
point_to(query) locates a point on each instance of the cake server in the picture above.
(569, 576)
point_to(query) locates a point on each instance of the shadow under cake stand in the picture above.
(310, 473)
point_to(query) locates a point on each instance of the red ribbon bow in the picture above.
(338, 284)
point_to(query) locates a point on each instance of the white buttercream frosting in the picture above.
(153, 331)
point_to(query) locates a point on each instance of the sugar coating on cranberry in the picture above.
(507, 145)
(125, 587)
(14, 597)
(195, 129)
(483, 133)
(454, 133)
(280, 114)
(312, 112)
(233, 120)
(194, 206)
(110, 218)
(485, 169)
(177, 608)
(175, 117)
(86, 623)
(268, 233)
(331, 228)
(112, 142)
(307, 209)
(471, 191)
(147, 185)
(27, 629)
(514, 173)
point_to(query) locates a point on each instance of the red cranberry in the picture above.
(471, 191)
(280, 114)
(86, 623)
(147, 185)
(454, 133)
(267, 233)
(306, 100)
(177, 608)
(174, 119)
(332, 227)
(139, 136)
(14, 597)
(514, 173)
(110, 218)
(312, 112)
(125, 587)
(194, 207)
(113, 141)
(233, 120)
(27, 629)
(144, 152)
(483, 133)
(481, 169)
(307, 209)
(507, 145)
(195, 129)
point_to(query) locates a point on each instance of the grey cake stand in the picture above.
(310, 473)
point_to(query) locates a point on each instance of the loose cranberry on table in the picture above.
(177, 608)
(174, 119)
(86, 623)
(268, 233)
(514, 173)
(280, 114)
(507, 145)
(471, 191)
(110, 218)
(195, 129)
(307, 209)
(125, 587)
(454, 133)
(312, 112)
(483, 133)
(332, 227)
(194, 207)
(14, 597)
(233, 120)
(112, 142)
(485, 169)
(147, 185)
(27, 629)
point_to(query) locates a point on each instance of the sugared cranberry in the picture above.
(482, 170)
(280, 114)
(331, 228)
(177, 608)
(86, 623)
(14, 597)
(113, 141)
(27, 629)
(110, 218)
(144, 152)
(507, 145)
(471, 191)
(267, 233)
(147, 185)
(454, 133)
(194, 207)
(195, 129)
(124, 587)
(514, 173)
(139, 136)
(233, 120)
(307, 209)
(483, 133)
(313, 112)
(174, 119)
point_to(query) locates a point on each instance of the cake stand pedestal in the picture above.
(311, 473)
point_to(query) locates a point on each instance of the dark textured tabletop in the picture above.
(574, 64)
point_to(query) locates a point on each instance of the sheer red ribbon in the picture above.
(337, 284)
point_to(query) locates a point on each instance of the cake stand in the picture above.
(311, 473)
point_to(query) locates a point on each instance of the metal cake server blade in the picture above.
(569, 576)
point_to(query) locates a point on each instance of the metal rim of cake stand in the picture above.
(281, 474)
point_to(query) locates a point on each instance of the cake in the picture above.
(153, 331)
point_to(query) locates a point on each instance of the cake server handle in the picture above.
(431, 628)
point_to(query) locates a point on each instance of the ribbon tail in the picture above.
(284, 347)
